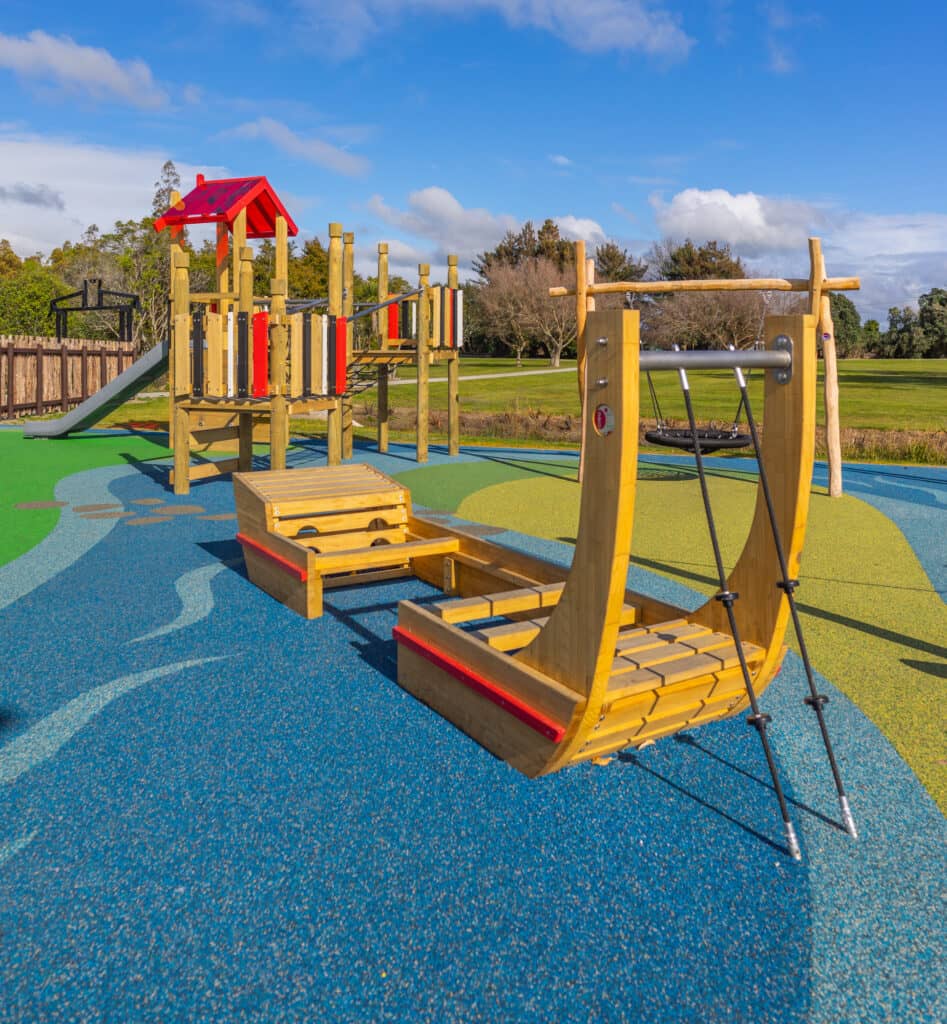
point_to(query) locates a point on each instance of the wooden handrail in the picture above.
(744, 284)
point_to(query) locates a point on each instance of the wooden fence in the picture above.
(41, 375)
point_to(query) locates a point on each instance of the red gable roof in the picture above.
(214, 201)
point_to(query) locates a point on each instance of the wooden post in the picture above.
(582, 300)
(222, 256)
(381, 317)
(335, 270)
(279, 431)
(348, 307)
(382, 331)
(245, 442)
(453, 376)
(423, 359)
(820, 307)
(182, 448)
(174, 246)
(279, 288)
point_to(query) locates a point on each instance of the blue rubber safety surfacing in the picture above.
(217, 810)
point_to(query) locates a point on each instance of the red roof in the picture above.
(214, 201)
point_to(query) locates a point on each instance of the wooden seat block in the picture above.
(489, 606)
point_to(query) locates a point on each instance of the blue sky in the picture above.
(436, 125)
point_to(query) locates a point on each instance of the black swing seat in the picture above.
(709, 440)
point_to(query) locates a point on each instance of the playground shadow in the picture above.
(228, 552)
(9, 718)
(938, 669)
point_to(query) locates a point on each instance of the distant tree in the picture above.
(612, 263)
(25, 297)
(904, 338)
(309, 271)
(871, 337)
(513, 307)
(704, 320)
(932, 316)
(673, 261)
(168, 181)
(10, 263)
(848, 325)
(527, 244)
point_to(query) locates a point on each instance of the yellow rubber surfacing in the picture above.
(869, 610)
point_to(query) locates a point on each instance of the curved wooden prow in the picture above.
(608, 668)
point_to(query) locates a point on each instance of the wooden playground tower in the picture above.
(224, 386)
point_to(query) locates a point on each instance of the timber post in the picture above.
(382, 329)
(453, 370)
(423, 358)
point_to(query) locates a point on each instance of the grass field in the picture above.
(907, 396)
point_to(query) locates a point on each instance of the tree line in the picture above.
(507, 303)
(510, 310)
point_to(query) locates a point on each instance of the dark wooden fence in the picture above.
(42, 375)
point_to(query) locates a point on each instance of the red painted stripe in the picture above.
(261, 354)
(528, 716)
(301, 574)
(341, 355)
(393, 321)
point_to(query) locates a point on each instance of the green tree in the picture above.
(689, 262)
(10, 263)
(932, 316)
(527, 244)
(309, 272)
(25, 297)
(168, 181)
(612, 263)
(905, 338)
(871, 337)
(848, 325)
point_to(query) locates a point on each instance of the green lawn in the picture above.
(879, 394)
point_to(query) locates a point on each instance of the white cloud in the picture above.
(580, 229)
(560, 161)
(595, 26)
(83, 185)
(314, 151)
(436, 215)
(87, 70)
(898, 256)
(752, 223)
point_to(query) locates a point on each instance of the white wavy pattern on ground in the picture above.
(197, 599)
(70, 539)
(44, 739)
(11, 849)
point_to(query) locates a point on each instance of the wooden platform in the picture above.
(306, 530)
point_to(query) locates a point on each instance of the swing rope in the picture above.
(726, 597)
(815, 700)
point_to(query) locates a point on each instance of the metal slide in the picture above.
(128, 383)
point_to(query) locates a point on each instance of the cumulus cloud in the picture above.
(88, 70)
(436, 215)
(898, 256)
(81, 185)
(580, 229)
(752, 223)
(32, 195)
(314, 151)
(596, 26)
(560, 161)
